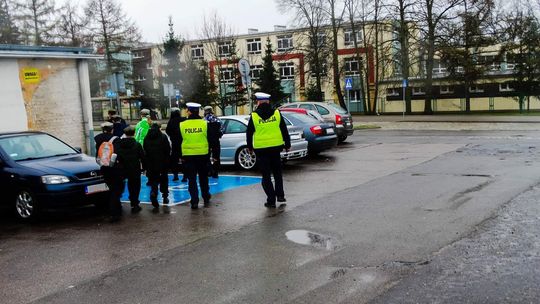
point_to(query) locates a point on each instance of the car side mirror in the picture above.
(78, 149)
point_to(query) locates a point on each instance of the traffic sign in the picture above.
(243, 67)
(110, 94)
(348, 83)
(405, 83)
(177, 94)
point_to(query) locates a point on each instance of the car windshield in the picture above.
(337, 108)
(301, 119)
(34, 146)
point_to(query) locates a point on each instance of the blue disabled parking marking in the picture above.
(178, 191)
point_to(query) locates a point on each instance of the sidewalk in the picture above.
(451, 122)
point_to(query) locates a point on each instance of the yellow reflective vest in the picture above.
(267, 132)
(194, 137)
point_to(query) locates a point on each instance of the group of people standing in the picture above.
(191, 145)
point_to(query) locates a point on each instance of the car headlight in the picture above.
(54, 179)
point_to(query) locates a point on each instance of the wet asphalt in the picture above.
(367, 216)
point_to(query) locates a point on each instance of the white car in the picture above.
(234, 149)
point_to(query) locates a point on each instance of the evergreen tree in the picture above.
(197, 86)
(172, 48)
(9, 33)
(269, 81)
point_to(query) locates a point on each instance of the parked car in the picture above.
(234, 149)
(38, 171)
(313, 114)
(331, 112)
(320, 136)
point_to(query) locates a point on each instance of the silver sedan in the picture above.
(234, 149)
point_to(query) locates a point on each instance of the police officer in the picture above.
(214, 126)
(143, 126)
(196, 141)
(267, 134)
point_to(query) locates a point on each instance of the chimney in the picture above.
(252, 31)
(279, 27)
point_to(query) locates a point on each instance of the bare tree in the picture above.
(352, 8)
(310, 14)
(432, 14)
(335, 14)
(402, 12)
(220, 39)
(9, 32)
(111, 30)
(71, 24)
(36, 19)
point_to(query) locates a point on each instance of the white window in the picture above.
(254, 46)
(197, 51)
(476, 89)
(506, 87)
(227, 75)
(224, 48)
(418, 91)
(255, 72)
(446, 89)
(148, 66)
(286, 70)
(321, 39)
(284, 43)
(140, 78)
(352, 66)
(137, 55)
(324, 69)
(439, 67)
(494, 66)
(392, 92)
(349, 38)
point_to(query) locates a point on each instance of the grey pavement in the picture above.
(499, 262)
(378, 210)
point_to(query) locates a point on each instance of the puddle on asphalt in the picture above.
(305, 237)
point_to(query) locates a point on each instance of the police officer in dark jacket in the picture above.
(157, 151)
(267, 134)
(130, 161)
(214, 126)
(173, 130)
(196, 141)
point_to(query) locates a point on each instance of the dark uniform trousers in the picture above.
(269, 161)
(158, 178)
(193, 166)
(113, 179)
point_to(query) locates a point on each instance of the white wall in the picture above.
(12, 111)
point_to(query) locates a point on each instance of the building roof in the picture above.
(27, 51)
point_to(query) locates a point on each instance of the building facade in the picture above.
(369, 69)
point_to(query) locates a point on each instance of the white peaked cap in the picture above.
(262, 96)
(193, 105)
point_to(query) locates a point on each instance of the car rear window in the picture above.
(337, 108)
(34, 146)
(300, 119)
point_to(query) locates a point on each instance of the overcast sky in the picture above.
(151, 15)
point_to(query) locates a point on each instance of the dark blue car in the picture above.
(39, 171)
(320, 136)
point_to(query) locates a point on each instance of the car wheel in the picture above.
(245, 159)
(26, 205)
(342, 139)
